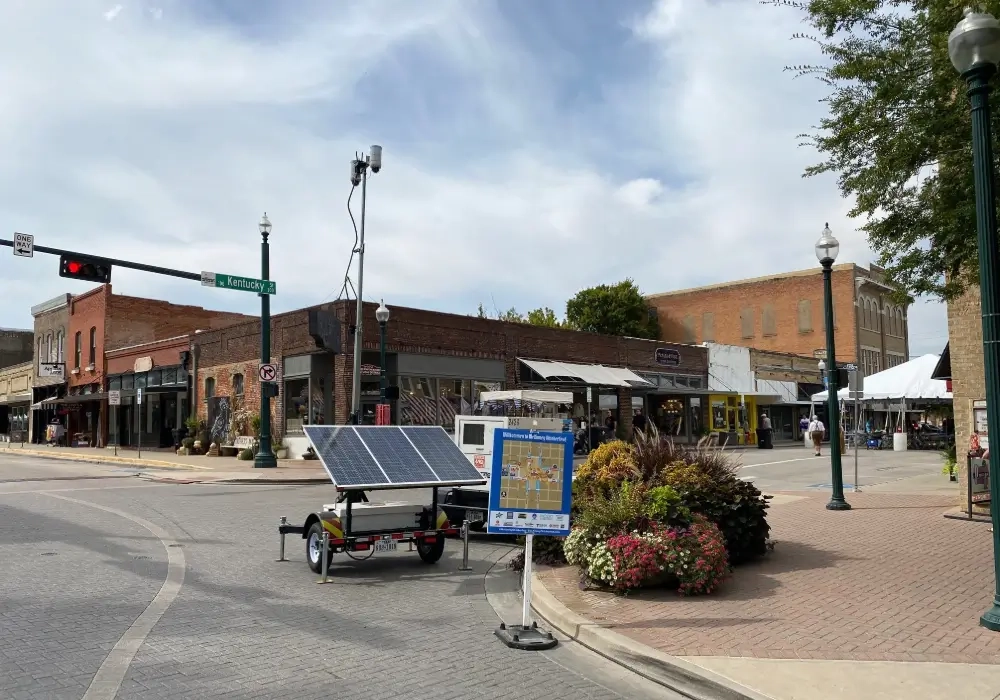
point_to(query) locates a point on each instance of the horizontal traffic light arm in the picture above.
(111, 261)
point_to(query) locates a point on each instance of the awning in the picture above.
(942, 370)
(528, 395)
(45, 403)
(592, 375)
(15, 398)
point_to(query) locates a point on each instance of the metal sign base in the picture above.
(527, 638)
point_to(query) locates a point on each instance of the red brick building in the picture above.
(784, 313)
(440, 362)
(101, 322)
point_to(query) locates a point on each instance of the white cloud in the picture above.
(161, 137)
(113, 12)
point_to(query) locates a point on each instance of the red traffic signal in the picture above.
(84, 269)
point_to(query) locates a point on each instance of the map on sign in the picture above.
(531, 488)
(24, 245)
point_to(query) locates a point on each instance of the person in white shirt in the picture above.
(816, 432)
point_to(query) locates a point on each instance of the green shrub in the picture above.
(737, 507)
(187, 443)
(608, 513)
(665, 505)
(245, 454)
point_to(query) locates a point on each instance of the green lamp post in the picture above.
(974, 48)
(827, 248)
(265, 456)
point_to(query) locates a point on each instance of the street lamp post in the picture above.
(974, 48)
(382, 316)
(265, 456)
(827, 248)
(359, 175)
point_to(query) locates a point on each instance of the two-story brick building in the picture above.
(99, 322)
(440, 362)
(51, 321)
(784, 313)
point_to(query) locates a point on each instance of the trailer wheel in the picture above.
(430, 553)
(314, 548)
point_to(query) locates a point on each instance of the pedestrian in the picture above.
(816, 431)
(639, 421)
(764, 430)
(804, 426)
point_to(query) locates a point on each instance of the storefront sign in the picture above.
(668, 357)
(979, 426)
(143, 364)
(51, 369)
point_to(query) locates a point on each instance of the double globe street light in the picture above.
(974, 49)
(827, 248)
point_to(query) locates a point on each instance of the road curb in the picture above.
(243, 482)
(107, 460)
(669, 671)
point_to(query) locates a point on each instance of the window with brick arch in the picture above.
(77, 349)
(237, 385)
(60, 342)
(209, 388)
(48, 347)
(93, 345)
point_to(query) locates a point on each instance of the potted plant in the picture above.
(950, 456)
(280, 449)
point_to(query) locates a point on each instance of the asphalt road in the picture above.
(114, 587)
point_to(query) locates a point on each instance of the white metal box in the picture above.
(367, 517)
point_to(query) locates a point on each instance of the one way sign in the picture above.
(24, 245)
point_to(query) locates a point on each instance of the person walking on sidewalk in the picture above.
(816, 432)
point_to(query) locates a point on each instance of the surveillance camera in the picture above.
(355, 173)
(375, 159)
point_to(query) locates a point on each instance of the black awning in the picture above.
(942, 370)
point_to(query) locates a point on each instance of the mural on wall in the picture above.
(219, 419)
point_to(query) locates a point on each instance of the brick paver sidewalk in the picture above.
(891, 580)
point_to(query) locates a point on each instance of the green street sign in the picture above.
(243, 284)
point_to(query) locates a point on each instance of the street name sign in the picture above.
(115, 397)
(24, 245)
(267, 372)
(138, 396)
(849, 366)
(243, 284)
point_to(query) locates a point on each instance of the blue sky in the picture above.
(530, 148)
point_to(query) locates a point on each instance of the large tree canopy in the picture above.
(618, 309)
(898, 133)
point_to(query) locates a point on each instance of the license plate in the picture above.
(474, 516)
(385, 546)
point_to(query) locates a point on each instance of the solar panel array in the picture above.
(389, 456)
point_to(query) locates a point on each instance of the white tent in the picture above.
(530, 395)
(910, 380)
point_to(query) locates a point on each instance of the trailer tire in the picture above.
(314, 548)
(430, 553)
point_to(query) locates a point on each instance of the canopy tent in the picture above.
(910, 381)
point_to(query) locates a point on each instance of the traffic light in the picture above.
(84, 269)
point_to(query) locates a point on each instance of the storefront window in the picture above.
(128, 382)
(115, 383)
(417, 401)
(454, 401)
(169, 376)
(296, 404)
(719, 421)
(209, 388)
(154, 378)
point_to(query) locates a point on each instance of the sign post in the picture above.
(531, 491)
(138, 401)
(590, 418)
(115, 400)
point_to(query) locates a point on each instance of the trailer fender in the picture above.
(331, 523)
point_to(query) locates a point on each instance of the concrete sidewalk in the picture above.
(881, 602)
(164, 465)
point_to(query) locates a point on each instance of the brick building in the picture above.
(440, 362)
(784, 313)
(99, 322)
(15, 346)
(965, 368)
(49, 377)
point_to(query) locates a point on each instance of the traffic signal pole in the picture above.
(112, 261)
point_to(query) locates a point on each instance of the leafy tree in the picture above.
(898, 133)
(618, 309)
(544, 316)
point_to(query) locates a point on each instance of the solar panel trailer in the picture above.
(360, 459)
